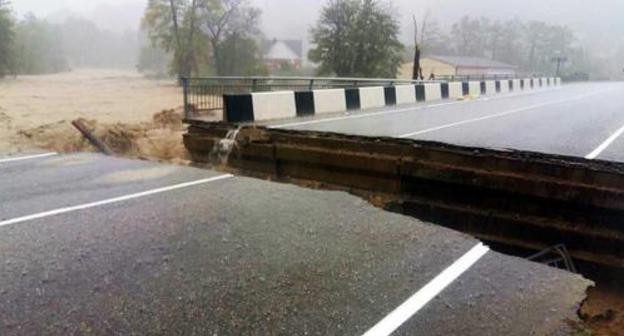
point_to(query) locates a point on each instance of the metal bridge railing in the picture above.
(474, 78)
(204, 96)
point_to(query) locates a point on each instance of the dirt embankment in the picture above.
(159, 139)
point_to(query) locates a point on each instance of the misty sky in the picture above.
(292, 18)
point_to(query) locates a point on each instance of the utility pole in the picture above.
(416, 71)
(560, 60)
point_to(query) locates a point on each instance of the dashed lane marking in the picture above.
(112, 200)
(409, 308)
(30, 157)
(605, 144)
(501, 114)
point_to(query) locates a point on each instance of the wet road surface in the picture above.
(582, 120)
(91, 245)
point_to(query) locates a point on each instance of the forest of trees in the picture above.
(222, 37)
(529, 45)
(7, 39)
(31, 45)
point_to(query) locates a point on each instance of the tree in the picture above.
(172, 26)
(417, 69)
(231, 27)
(86, 45)
(238, 55)
(7, 38)
(469, 36)
(511, 45)
(153, 61)
(38, 47)
(357, 38)
(200, 34)
(434, 40)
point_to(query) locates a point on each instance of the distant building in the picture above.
(446, 66)
(282, 53)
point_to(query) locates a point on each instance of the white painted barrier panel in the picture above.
(544, 82)
(372, 97)
(490, 87)
(274, 105)
(474, 88)
(552, 81)
(405, 94)
(504, 86)
(433, 91)
(329, 101)
(516, 85)
(455, 90)
(558, 81)
(527, 83)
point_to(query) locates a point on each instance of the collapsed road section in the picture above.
(520, 199)
(95, 245)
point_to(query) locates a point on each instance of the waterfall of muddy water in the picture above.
(223, 148)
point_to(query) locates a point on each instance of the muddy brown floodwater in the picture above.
(137, 117)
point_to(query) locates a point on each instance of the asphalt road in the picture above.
(91, 245)
(582, 120)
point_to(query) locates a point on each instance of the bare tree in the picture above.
(172, 25)
(417, 70)
(226, 18)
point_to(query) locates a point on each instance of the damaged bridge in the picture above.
(516, 198)
(537, 168)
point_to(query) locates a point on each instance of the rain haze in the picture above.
(293, 19)
(312, 167)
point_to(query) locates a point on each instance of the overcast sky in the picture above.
(292, 18)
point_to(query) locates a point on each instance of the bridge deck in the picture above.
(93, 243)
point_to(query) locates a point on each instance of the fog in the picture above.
(112, 15)
(596, 25)
(599, 19)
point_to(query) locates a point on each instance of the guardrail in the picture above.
(475, 77)
(204, 95)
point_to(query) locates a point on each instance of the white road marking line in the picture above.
(30, 157)
(605, 144)
(498, 115)
(402, 110)
(112, 200)
(409, 308)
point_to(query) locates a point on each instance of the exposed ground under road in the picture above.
(583, 120)
(94, 245)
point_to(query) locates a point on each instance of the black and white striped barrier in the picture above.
(261, 106)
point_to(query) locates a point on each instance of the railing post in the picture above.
(185, 82)
(311, 84)
(254, 84)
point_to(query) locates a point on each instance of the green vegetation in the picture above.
(529, 45)
(357, 38)
(38, 48)
(86, 45)
(153, 61)
(32, 46)
(7, 37)
(206, 36)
